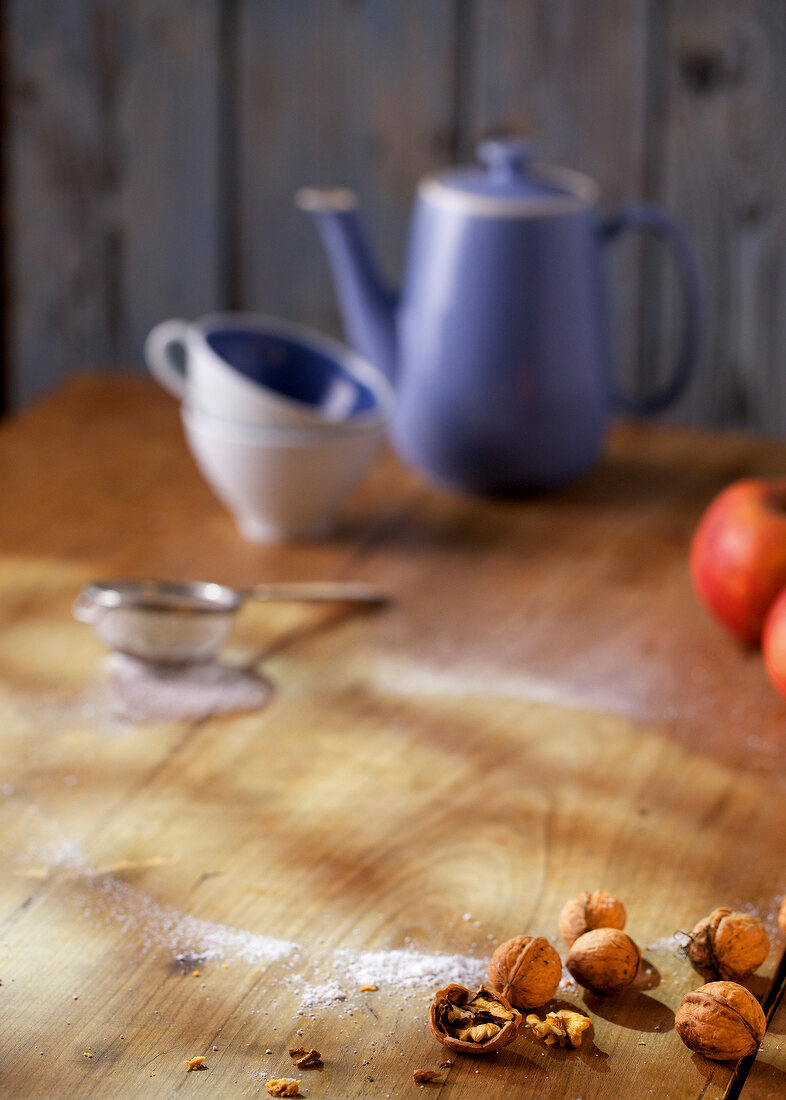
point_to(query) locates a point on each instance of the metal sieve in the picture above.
(179, 622)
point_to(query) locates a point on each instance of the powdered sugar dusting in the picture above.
(408, 969)
(394, 676)
(410, 973)
(568, 983)
(143, 691)
(322, 995)
(673, 945)
(110, 900)
(163, 926)
(60, 853)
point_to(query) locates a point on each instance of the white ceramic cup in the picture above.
(281, 484)
(263, 371)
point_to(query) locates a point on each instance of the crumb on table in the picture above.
(195, 1063)
(306, 1059)
(283, 1086)
(426, 1076)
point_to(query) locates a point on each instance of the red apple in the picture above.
(738, 554)
(773, 643)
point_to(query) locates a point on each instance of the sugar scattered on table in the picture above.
(156, 692)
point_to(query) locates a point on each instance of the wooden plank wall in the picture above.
(112, 189)
(151, 151)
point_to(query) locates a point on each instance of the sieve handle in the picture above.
(318, 592)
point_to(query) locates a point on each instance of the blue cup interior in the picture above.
(295, 371)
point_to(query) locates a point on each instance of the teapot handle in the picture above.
(656, 221)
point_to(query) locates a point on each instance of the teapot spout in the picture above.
(368, 307)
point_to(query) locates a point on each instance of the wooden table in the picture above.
(544, 709)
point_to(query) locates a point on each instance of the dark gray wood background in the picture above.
(152, 147)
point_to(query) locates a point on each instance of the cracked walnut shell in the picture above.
(526, 970)
(581, 914)
(605, 960)
(722, 1020)
(727, 946)
(473, 1023)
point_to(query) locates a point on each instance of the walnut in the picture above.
(605, 960)
(283, 1086)
(473, 1023)
(526, 970)
(564, 1027)
(581, 914)
(727, 946)
(306, 1059)
(722, 1020)
(782, 916)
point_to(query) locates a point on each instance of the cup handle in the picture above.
(653, 220)
(160, 363)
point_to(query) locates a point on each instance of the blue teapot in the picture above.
(497, 344)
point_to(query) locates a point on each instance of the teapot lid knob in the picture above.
(509, 181)
(506, 156)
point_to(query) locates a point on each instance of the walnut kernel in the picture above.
(283, 1086)
(727, 946)
(564, 1027)
(473, 1023)
(722, 1020)
(581, 914)
(604, 960)
(526, 971)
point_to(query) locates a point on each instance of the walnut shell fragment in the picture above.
(605, 960)
(722, 1021)
(426, 1076)
(581, 914)
(526, 970)
(306, 1059)
(473, 1023)
(727, 946)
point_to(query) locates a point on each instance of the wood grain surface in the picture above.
(545, 708)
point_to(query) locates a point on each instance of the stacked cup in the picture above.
(282, 422)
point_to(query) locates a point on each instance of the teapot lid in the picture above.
(509, 182)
